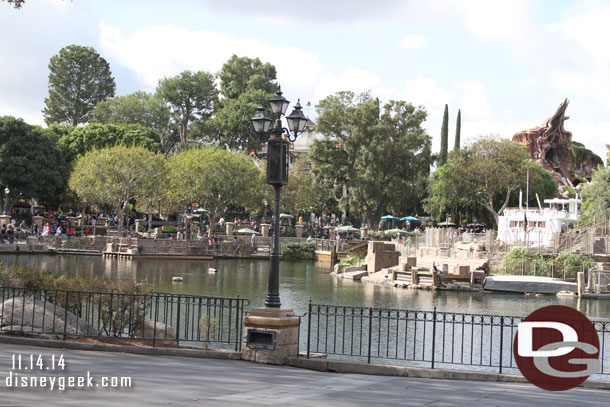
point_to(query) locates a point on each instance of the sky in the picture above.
(506, 64)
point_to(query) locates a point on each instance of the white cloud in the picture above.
(412, 41)
(355, 80)
(159, 51)
(474, 99)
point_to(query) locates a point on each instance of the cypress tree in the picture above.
(442, 159)
(458, 129)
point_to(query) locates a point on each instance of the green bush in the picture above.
(574, 262)
(352, 261)
(169, 229)
(298, 251)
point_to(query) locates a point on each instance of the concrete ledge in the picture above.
(339, 366)
(140, 350)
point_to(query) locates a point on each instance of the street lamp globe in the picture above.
(297, 120)
(261, 121)
(279, 104)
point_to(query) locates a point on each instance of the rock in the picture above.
(162, 332)
(38, 316)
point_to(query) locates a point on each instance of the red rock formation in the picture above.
(549, 145)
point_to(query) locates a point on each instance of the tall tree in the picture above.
(97, 136)
(231, 127)
(442, 159)
(31, 163)
(192, 97)
(16, 3)
(596, 196)
(117, 175)
(146, 109)
(79, 78)
(486, 174)
(213, 178)
(239, 74)
(458, 129)
(378, 153)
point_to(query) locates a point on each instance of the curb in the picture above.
(139, 350)
(339, 366)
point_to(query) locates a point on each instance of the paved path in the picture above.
(177, 381)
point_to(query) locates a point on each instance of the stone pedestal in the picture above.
(139, 223)
(270, 336)
(38, 221)
(5, 219)
(331, 233)
(300, 230)
(265, 229)
(364, 232)
(229, 226)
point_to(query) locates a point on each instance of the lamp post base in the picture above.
(271, 335)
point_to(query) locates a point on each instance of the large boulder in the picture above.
(156, 330)
(38, 316)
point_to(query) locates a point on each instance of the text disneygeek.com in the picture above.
(24, 368)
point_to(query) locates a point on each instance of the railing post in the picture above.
(433, 335)
(178, 323)
(370, 333)
(309, 329)
(501, 341)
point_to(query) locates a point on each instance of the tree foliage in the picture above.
(486, 174)
(97, 136)
(79, 79)
(143, 108)
(442, 159)
(302, 191)
(116, 175)
(192, 97)
(240, 74)
(596, 195)
(230, 127)
(213, 178)
(381, 155)
(31, 164)
(16, 3)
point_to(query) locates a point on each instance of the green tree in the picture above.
(31, 163)
(231, 127)
(596, 195)
(79, 78)
(442, 159)
(302, 191)
(213, 178)
(191, 96)
(16, 3)
(143, 108)
(458, 130)
(486, 174)
(116, 175)
(239, 74)
(97, 136)
(380, 155)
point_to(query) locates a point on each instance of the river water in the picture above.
(300, 282)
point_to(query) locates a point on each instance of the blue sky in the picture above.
(507, 65)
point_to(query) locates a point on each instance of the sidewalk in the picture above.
(180, 381)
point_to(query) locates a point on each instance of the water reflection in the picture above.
(300, 282)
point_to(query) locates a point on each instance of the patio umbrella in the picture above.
(248, 231)
(347, 229)
(445, 223)
(396, 232)
(286, 215)
(388, 217)
(411, 219)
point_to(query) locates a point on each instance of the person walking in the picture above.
(253, 243)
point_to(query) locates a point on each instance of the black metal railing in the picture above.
(423, 338)
(155, 317)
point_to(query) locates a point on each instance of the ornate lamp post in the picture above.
(278, 141)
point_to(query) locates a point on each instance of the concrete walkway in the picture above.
(178, 381)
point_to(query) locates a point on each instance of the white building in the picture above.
(541, 223)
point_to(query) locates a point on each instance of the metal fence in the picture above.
(155, 317)
(424, 338)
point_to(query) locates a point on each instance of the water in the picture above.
(299, 282)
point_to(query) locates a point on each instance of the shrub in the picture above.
(298, 251)
(574, 262)
(352, 261)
